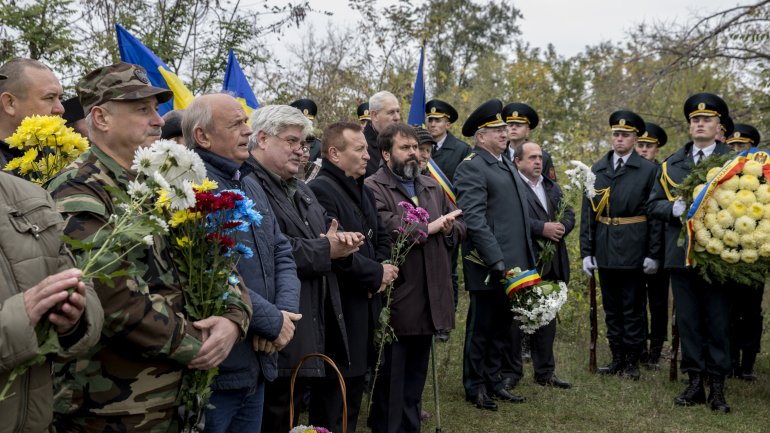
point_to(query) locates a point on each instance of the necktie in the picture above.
(699, 156)
(619, 165)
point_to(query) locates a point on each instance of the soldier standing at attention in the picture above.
(521, 120)
(616, 238)
(310, 110)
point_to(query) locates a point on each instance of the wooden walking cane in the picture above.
(435, 383)
(594, 327)
(673, 370)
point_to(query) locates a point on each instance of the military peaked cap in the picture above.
(363, 112)
(307, 107)
(705, 104)
(436, 108)
(118, 82)
(727, 125)
(487, 115)
(518, 112)
(627, 121)
(653, 134)
(744, 133)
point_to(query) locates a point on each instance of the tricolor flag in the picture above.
(160, 75)
(236, 84)
(417, 109)
(525, 279)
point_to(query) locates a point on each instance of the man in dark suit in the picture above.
(521, 120)
(616, 238)
(492, 197)
(544, 198)
(702, 308)
(384, 110)
(340, 189)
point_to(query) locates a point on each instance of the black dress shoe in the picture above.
(482, 401)
(502, 394)
(555, 382)
(509, 383)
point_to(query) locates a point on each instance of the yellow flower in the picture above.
(702, 237)
(725, 218)
(745, 224)
(731, 184)
(753, 168)
(749, 255)
(183, 241)
(710, 220)
(737, 209)
(27, 163)
(746, 197)
(731, 238)
(760, 237)
(756, 210)
(763, 193)
(724, 197)
(713, 172)
(206, 185)
(715, 246)
(717, 232)
(748, 240)
(163, 202)
(697, 225)
(764, 249)
(730, 255)
(182, 216)
(712, 205)
(697, 190)
(749, 182)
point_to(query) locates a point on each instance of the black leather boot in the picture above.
(694, 393)
(717, 394)
(631, 369)
(747, 366)
(653, 359)
(616, 365)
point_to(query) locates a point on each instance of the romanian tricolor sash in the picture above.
(442, 180)
(526, 279)
(729, 170)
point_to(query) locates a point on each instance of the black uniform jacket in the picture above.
(450, 155)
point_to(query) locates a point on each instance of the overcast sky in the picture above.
(569, 25)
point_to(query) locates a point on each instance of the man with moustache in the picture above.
(702, 307)
(492, 197)
(422, 301)
(340, 189)
(521, 120)
(384, 110)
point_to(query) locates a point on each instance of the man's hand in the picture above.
(678, 208)
(342, 244)
(553, 231)
(444, 223)
(261, 344)
(219, 336)
(496, 271)
(52, 293)
(389, 274)
(287, 330)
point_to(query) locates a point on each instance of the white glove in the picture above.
(678, 209)
(589, 265)
(650, 266)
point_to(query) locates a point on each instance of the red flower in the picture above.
(223, 240)
(231, 224)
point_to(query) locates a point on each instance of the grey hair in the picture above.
(274, 119)
(108, 105)
(17, 81)
(197, 115)
(377, 100)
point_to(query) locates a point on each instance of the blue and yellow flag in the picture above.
(440, 177)
(417, 109)
(236, 84)
(525, 279)
(160, 75)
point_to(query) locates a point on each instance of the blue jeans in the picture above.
(236, 410)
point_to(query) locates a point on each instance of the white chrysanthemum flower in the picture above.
(725, 218)
(731, 238)
(746, 197)
(712, 205)
(715, 246)
(717, 231)
(702, 236)
(697, 190)
(698, 225)
(698, 248)
(749, 182)
(144, 159)
(724, 197)
(713, 171)
(182, 196)
(582, 178)
(749, 255)
(732, 184)
(760, 237)
(764, 226)
(748, 240)
(763, 193)
(757, 210)
(764, 249)
(752, 168)
(710, 220)
(730, 255)
(148, 240)
(737, 209)
(137, 189)
(163, 224)
(745, 224)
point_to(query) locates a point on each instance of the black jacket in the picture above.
(450, 155)
(374, 152)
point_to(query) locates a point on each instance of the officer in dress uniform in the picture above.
(746, 323)
(492, 196)
(521, 120)
(363, 114)
(616, 238)
(702, 308)
(655, 299)
(310, 110)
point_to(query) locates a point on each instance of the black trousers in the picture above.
(326, 402)
(746, 320)
(400, 382)
(703, 317)
(541, 349)
(487, 338)
(622, 298)
(655, 307)
(275, 412)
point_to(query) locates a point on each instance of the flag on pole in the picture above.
(417, 110)
(236, 84)
(133, 51)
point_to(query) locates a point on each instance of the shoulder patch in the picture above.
(469, 157)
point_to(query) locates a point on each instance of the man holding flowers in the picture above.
(131, 380)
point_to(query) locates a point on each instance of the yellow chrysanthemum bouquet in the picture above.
(48, 147)
(727, 226)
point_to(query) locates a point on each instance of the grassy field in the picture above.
(595, 403)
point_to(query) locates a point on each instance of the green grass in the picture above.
(595, 403)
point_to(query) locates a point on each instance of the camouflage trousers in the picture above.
(157, 421)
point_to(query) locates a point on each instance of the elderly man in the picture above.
(492, 197)
(340, 189)
(145, 329)
(30, 89)
(384, 110)
(35, 288)
(216, 127)
(277, 142)
(422, 303)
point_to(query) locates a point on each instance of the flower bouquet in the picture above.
(534, 302)
(48, 147)
(308, 429)
(727, 228)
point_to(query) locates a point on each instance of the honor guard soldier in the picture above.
(492, 196)
(521, 120)
(726, 128)
(702, 307)
(310, 110)
(746, 323)
(363, 114)
(616, 239)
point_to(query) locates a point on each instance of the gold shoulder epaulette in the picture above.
(469, 157)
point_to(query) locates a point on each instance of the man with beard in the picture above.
(384, 110)
(521, 120)
(422, 302)
(492, 197)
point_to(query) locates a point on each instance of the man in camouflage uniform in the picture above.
(131, 380)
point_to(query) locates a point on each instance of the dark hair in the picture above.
(332, 135)
(385, 139)
(518, 151)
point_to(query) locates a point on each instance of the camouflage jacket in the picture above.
(146, 342)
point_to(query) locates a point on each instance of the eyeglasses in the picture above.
(294, 143)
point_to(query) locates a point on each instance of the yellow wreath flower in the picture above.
(725, 218)
(746, 197)
(724, 197)
(730, 255)
(763, 193)
(749, 182)
(753, 168)
(732, 184)
(745, 224)
(715, 246)
(764, 249)
(749, 255)
(731, 238)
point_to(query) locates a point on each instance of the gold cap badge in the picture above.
(702, 106)
(622, 122)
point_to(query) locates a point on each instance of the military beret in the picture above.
(624, 120)
(518, 112)
(436, 108)
(118, 82)
(653, 134)
(726, 122)
(486, 115)
(423, 136)
(363, 112)
(73, 111)
(744, 133)
(307, 107)
(705, 104)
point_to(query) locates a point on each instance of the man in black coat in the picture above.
(492, 197)
(340, 189)
(544, 198)
(384, 111)
(521, 120)
(278, 136)
(616, 237)
(449, 150)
